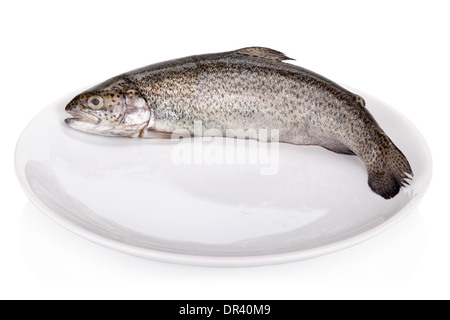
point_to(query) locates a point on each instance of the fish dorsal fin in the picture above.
(264, 53)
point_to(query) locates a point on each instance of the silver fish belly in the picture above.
(248, 89)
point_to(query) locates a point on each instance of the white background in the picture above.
(397, 51)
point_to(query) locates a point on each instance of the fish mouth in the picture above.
(83, 117)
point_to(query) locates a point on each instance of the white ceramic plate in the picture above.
(143, 197)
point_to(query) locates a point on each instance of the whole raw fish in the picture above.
(238, 93)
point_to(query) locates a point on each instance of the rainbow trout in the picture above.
(247, 90)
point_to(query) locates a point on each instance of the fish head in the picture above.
(109, 112)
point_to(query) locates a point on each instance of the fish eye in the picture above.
(95, 102)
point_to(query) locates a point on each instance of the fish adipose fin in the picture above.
(388, 179)
(265, 53)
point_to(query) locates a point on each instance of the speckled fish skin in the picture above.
(250, 88)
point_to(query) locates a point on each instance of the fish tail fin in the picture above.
(390, 174)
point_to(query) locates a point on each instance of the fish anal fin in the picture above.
(337, 147)
(265, 53)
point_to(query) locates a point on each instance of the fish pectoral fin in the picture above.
(337, 147)
(265, 53)
(147, 133)
(152, 134)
